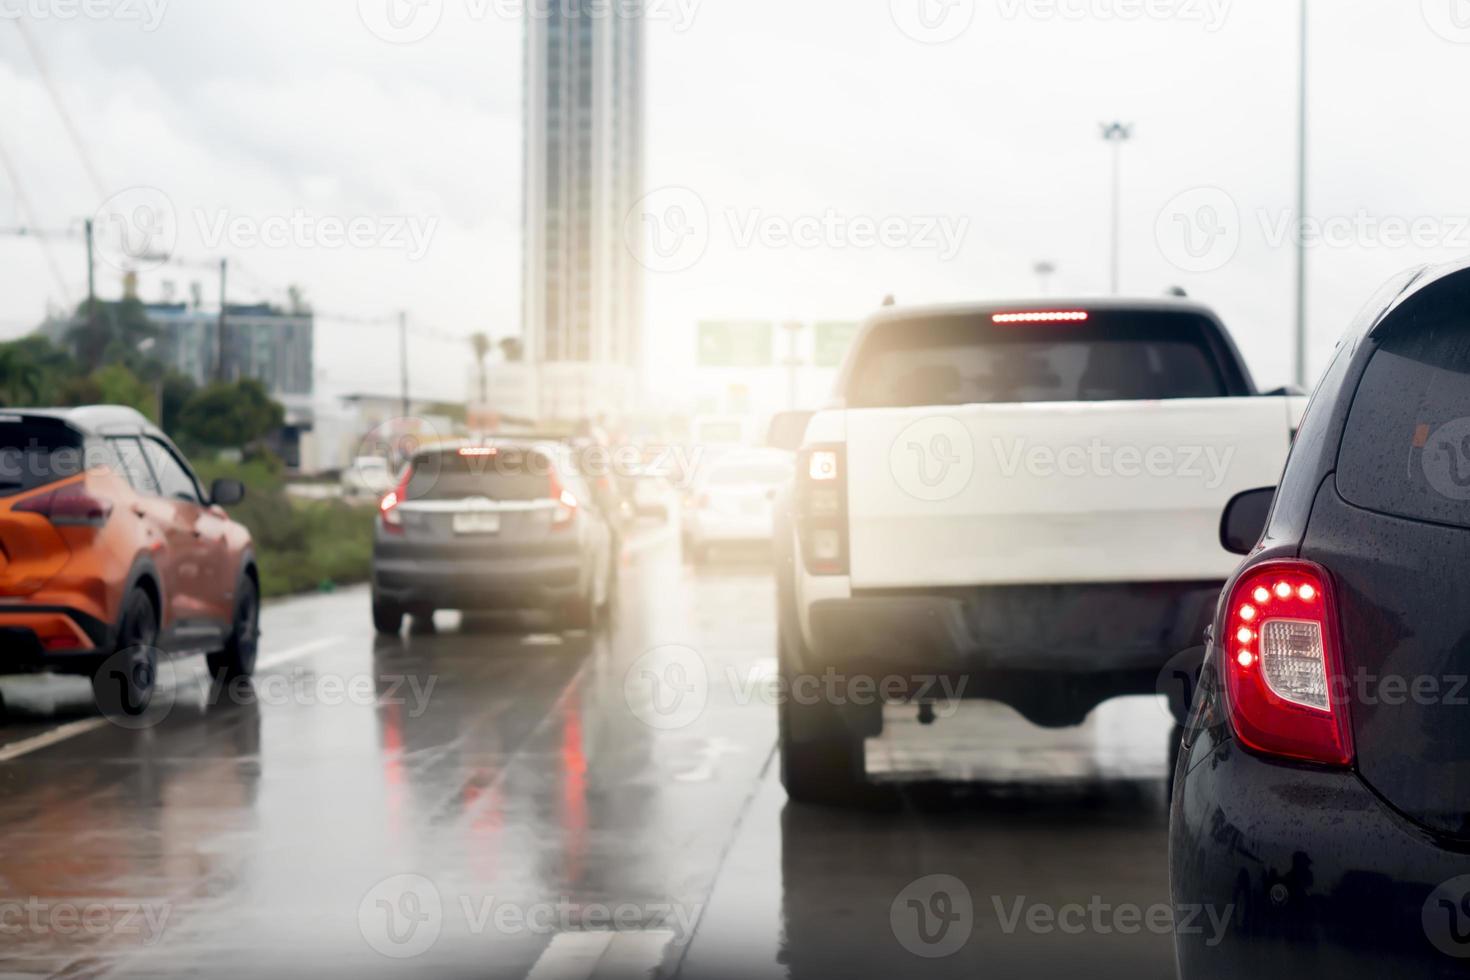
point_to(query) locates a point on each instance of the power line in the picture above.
(47, 82)
(28, 210)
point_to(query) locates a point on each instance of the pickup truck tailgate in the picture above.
(1020, 494)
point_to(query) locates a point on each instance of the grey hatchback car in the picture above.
(502, 526)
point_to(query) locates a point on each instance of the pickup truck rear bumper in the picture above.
(1068, 648)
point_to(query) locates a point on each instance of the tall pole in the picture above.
(1301, 212)
(793, 364)
(224, 306)
(1117, 134)
(1044, 271)
(403, 360)
(91, 283)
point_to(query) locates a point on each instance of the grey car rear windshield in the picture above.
(510, 475)
(1406, 450)
(35, 452)
(970, 360)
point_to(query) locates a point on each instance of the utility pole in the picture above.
(1117, 134)
(91, 283)
(1044, 271)
(793, 363)
(1301, 212)
(403, 360)
(224, 275)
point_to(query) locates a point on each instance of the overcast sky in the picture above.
(829, 152)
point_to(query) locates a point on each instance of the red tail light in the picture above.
(1049, 316)
(68, 506)
(1282, 661)
(388, 507)
(566, 505)
(821, 509)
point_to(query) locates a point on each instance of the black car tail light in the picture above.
(1282, 660)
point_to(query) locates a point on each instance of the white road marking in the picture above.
(76, 729)
(53, 737)
(614, 955)
(571, 956)
(296, 653)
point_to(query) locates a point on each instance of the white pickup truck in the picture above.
(1019, 503)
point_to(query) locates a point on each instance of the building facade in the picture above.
(272, 347)
(582, 290)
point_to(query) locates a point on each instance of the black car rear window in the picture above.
(508, 475)
(1406, 449)
(962, 360)
(35, 452)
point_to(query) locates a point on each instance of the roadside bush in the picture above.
(301, 546)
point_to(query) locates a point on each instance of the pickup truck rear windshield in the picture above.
(36, 452)
(966, 360)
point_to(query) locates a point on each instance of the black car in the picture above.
(1322, 794)
(489, 528)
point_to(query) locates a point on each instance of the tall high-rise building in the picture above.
(582, 293)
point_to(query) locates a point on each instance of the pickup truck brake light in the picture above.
(821, 509)
(1044, 316)
(1282, 661)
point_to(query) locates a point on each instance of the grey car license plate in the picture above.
(476, 523)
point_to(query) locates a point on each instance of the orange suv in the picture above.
(111, 553)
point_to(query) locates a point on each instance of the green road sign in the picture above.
(737, 344)
(833, 341)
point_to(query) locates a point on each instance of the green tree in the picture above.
(21, 377)
(116, 385)
(227, 416)
(34, 372)
(114, 336)
(175, 393)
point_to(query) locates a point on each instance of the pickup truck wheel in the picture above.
(237, 659)
(822, 746)
(387, 617)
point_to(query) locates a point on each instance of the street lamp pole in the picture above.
(1044, 271)
(1301, 211)
(1117, 134)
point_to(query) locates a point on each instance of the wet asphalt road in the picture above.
(489, 800)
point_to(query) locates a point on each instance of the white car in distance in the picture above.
(734, 501)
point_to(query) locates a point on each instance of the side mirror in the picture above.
(1244, 523)
(788, 430)
(226, 493)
